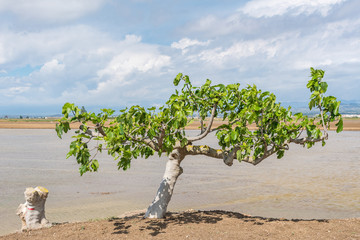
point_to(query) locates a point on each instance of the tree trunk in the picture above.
(32, 212)
(157, 208)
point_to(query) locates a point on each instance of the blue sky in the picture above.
(108, 53)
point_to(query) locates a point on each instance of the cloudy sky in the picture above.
(114, 53)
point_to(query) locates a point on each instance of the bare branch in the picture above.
(322, 119)
(90, 132)
(256, 161)
(302, 141)
(204, 150)
(147, 141)
(232, 123)
(228, 157)
(160, 139)
(101, 130)
(206, 132)
(151, 144)
(202, 125)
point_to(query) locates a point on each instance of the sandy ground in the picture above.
(199, 225)
(349, 124)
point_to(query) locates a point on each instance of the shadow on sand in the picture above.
(158, 226)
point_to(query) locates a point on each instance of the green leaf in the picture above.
(184, 142)
(177, 79)
(95, 165)
(311, 104)
(280, 154)
(187, 79)
(238, 155)
(323, 86)
(227, 138)
(234, 135)
(339, 125)
(83, 169)
(336, 109)
(59, 130)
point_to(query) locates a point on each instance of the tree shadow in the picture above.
(261, 220)
(121, 227)
(158, 226)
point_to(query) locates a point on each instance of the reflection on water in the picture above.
(315, 183)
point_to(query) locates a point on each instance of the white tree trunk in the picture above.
(32, 212)
(158, 207)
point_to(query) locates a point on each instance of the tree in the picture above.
(137, 131)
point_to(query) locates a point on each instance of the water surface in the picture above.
(322, 182)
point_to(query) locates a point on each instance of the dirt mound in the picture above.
(199, 225)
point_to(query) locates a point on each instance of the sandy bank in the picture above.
(199, 225)
(349, 124)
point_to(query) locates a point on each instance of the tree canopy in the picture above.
(141, 132)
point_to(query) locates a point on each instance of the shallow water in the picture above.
(322, 182)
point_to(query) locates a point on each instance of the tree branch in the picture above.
(302, 141)
(202, 125)
(228, 160)
(232, 123)
(101, 130)
(322, 119)
(90, 133)
(147, 141)
(204, 150)
(151, 144)
(206, 132)
(228, 157)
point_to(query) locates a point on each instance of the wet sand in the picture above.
(315, 183)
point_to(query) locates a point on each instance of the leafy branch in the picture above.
(139, 132)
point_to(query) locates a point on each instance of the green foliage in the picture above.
(328, 106)
(139, 132)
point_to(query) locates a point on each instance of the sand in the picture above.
(199, 225)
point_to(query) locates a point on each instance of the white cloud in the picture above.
(78, 62)
(185, 43)
(53, 11)
(331, 45)
(214, 27)
(132, 38)
(266, 8)
(280, 61)
(128, 61)
(238, 51)
(89, 64)
(52, 66)
(15, 91)
(37, 47)
(138, 58)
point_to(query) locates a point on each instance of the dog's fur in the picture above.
(32, 212)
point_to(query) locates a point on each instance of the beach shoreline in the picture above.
(350, 124)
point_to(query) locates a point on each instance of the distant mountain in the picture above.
(346, 107)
